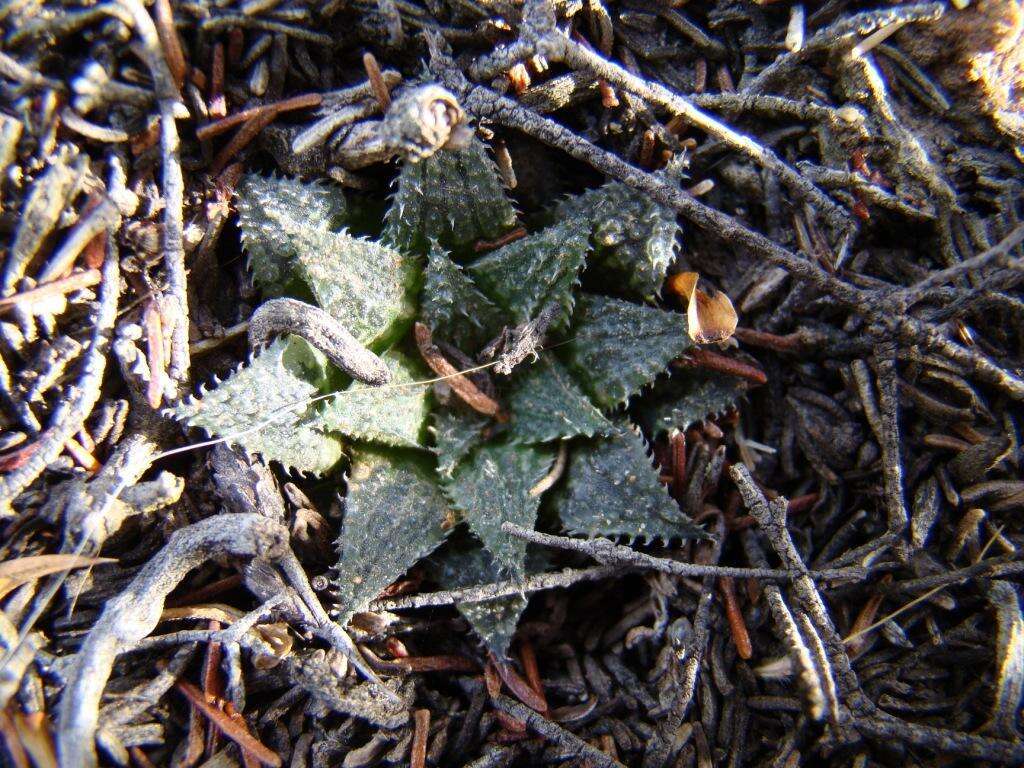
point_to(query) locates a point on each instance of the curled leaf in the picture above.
(22, 570)
(711, 318)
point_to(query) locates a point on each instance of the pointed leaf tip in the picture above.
(612, 489)
(616, 347)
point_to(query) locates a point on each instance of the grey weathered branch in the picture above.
(173, 183)
(320, 330)
(134, 613)
(69, 415)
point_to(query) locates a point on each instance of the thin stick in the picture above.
(572, 745)
(173, 186)
(470, 394)
(513, 587)
(420, 734)
(231, 728)
(249, 131)
(995, 254)
(169, 41)
(606, 551)
(377, 81)
(65, 285)
(303, 101)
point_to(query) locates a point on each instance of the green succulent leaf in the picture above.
(528, 274)
(367, 286)
(457, 431)
(453, 306)
(286, 229)
(395, 515)
(263, 394)
(547, 404)
(493, 620)
(395, 414)
(612, 489)
(687, 398)
(275, 216)
(634, 238)
(491, 487)
(453, 197)
(616, 347)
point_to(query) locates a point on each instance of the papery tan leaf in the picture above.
(22, 570)
(280, 641)
(36, 734)
(225, 614)
(711, 318)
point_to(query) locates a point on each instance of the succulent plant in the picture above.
(420, 462)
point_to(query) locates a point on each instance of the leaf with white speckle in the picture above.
(492, 486)
(612, 489)
(616, 347)
(394, 414)
(547, 404)
(262, 407)
(453, 197)
(395, 515)
(688, 398)
(528, 274)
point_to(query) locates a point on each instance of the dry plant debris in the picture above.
(464, 383)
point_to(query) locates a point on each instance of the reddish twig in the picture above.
(302, 101)
(169, 42)
(213, 680)
(802, 503)
(377, 82)
(678, 446)
(442, 663)
(81, 456)
(249, 131)
(230, 727)
(467, 391)
(713, 361)
(421, 730)
(218, 105)
(489, 245)
(519, 687)
(737, 626)
(532, 672)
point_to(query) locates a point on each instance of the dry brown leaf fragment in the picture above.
(711, 318)
(22, 570)
(225, 614)
(36, 735)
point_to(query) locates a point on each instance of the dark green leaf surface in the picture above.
(457, 431)
(368, 287)
(394, 516)
(453, 197)
(452, 306)
(616, 347)
(689, 397)
(547, 404)
(634, 238)
(395, 414)
(492, 486)
(493, 620)
(262, 394)
(612, 489)
(527, 274)
(275, 216)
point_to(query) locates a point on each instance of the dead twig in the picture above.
(279, 316)
(67, 419)
(133, 614)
